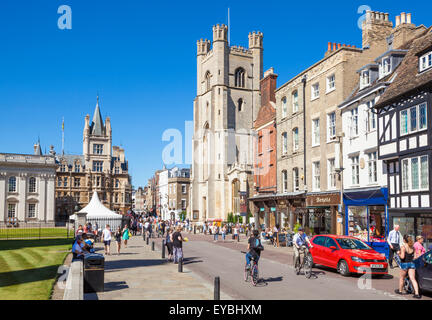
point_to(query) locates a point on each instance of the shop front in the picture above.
(366, 212)
(413, 222)
(321, 215)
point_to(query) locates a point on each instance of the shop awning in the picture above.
(366, 196)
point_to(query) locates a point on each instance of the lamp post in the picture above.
(339, 171)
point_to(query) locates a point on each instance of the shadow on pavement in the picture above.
(271, 279)
(191, 260)
(125, 264)
(113, 286)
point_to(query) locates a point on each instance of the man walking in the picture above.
(394, 240)
(106, 235)
(177, 245)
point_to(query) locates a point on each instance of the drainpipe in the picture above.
(304, 132)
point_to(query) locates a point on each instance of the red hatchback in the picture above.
(347, 255)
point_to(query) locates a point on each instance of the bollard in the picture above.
(238, 237)
(163, 249)
(144, 237)
(194, 229)
(147, 241)
(153, 245)
(217, 288)
(180, 265)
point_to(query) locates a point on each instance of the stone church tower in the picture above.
(227, 102)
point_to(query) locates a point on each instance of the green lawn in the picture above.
(28, 268)
(34, 233)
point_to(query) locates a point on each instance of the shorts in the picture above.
(407, 265)
(107, 243)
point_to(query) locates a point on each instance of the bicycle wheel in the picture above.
(255, 276)
(308, 266)
(246, 273)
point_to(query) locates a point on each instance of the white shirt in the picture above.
(106, 235)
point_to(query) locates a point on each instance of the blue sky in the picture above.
(141, 59)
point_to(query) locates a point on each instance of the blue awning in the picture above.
(366, 196)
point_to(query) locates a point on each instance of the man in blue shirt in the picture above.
(394, 240)
(300, 239)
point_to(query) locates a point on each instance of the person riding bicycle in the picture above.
(300, 239)
(254, 248)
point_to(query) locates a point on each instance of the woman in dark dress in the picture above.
(169, 243)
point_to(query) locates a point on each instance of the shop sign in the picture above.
(243, 202)
(261, 209)
(273, 209)
(323, 200)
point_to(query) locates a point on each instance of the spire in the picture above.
(38, 149)
(97, 125)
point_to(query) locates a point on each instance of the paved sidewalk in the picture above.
(140, 274)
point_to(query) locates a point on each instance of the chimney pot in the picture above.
(339, 45)
(397, 20)
(386, 16)
(334, 46)
(403, 20)
(408, 18)
(329, 46)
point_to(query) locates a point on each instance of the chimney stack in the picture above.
(397, 21)
(408, 18)
(329, 46)
(403, 20)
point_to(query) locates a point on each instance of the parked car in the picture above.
(347, 255)
(423, 274)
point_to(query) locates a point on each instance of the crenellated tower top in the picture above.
(203, 46)
(220, 33)
(256, 40)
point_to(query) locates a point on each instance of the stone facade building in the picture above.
(102, 168)
(139, 200)
(309, 185)
(27, 184)
(225, 107)
(178, 191)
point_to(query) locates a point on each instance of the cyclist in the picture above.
(300, 239)
(254, 248)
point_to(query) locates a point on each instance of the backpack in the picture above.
(256, 245)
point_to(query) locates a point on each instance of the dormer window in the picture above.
(425, 61)
(364, 79)
(385, 67)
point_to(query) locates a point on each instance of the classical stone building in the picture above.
(102, 168)
(178, 191)
(227, 102)
(27, 187)
(139, 200)
(308, 182)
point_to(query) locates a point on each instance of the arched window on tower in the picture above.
(240, 104)
(239, 77)
(207, 80)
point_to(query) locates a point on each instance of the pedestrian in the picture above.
(394, 240)
(177, 245)
(169, 243)
(224, 231)
(275, 236)
(216, 233)
(236, 230)
(118, 236)
(79, 231)
(125, 235)
(418, 247)
(106, 238)
(407, 266)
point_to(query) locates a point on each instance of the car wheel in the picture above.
(343, 269)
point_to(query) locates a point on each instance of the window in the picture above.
(117, 183)
(32, 185)
(183, 204)
(59, 182)
(331, 174)
(371, 116)
(97, 166)
(364, 79)
(355, 170)
(315, 91)
(295, 139)
(284, 181)
(331, 126)
(413, 119)
(316, 183)
(315, 132)
(98, 148)
(425, 61)
(372, 167)
(12, 184)
(385, 67)
(65, 182)
(31, 210)
(295, 101)
(240, 78)
(77, 182)
(63, 168)
(184, 191)
(296, 182)
(11, 210)
(415, 174)
(284, 107)
(77, 197)
(331, 83)
(77, 167)
(117, 170)
(354, 122)
(240, 104)
(207, 80)
(284, 143)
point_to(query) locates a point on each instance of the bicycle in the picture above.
(305, 263)
(251, 272)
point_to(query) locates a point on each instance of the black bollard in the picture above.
(144, 237)
(238, 237)
(163, 249)
(180, 265)
(194, 229)
(147, 241)
(153, 245)
(217, 288)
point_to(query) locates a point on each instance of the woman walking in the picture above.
(224, 231)
(177, 245)
(126, 235)
(418, 247)
(407, 266)
(169, 243)
(118, 236)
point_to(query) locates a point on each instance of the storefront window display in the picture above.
(320, 221)
(424, 226)
(367, 223)
(406, 225)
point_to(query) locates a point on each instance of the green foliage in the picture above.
(230, 217)
(182, 216)
(296, 227)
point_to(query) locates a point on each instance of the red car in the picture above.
(347, 255)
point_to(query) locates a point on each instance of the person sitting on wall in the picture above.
(78, 250)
